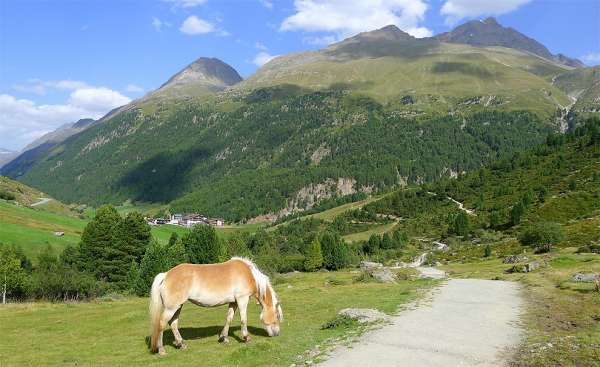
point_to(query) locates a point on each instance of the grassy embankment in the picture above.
(115, 333)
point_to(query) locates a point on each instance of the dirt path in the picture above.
(462, 207)
(467, 322)
(42, 201)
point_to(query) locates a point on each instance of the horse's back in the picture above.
(210, 284)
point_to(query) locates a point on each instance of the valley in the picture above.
(449, 185)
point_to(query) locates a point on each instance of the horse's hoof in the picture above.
(162, 352)
(223, 339)
(247, 339)
(181, 345)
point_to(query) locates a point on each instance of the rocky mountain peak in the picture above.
(387, 33)
(205, 72)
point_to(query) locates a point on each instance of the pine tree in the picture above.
(461, 225)
(516, 213)
(314, 256)
(203, 246)
(386, 242)
(97, 241)
(173, 239)
(336, 254)
(372, 245)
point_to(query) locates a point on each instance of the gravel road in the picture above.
(467, 322)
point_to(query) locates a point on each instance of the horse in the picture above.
(208, 285)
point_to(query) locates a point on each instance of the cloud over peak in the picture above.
(336, 17)
(455, 10)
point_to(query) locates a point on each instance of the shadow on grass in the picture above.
(194, 333)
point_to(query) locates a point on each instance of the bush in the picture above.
(7, 195)
(460, 225)
(542, 236)
(314, 256)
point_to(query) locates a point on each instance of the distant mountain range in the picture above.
(378, 109)
(20, 162)
(6, 156)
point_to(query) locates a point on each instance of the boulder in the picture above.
(585, 277)
(513, 259)
(384, 275)
(369, 265)
(363, 315)
(525, 268)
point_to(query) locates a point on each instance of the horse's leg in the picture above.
(243, 305)
(225, 333)
(174, 327)
(166, 316)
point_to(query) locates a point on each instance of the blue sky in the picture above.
(62, 60)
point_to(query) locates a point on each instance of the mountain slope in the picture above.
(387, 64)
(39, 147)
(583, 87)
(6, 156)
(489, 32)
(377, 110)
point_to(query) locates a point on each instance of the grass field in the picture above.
(562, 317)
(33, 228)
(364, 236)
(114, 333)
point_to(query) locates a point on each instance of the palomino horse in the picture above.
(232, 282)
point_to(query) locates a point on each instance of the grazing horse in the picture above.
(232, 282)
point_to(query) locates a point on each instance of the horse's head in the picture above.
(271, 314)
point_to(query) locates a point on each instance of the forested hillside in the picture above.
(244, 158)
(376, 111)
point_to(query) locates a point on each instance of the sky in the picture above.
(63, 60)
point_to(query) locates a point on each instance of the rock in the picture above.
(384, 275)
(59, 234)
(525, 268)
(363, 315)
(585, 277)
(513, 259)
(368, 265)
(440, 246)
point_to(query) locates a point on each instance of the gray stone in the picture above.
(525, 268)
(584, 277)
(363, 315)
(368, 265)
(384, 275)
(513, 259)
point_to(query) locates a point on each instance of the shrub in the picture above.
(336, 254)
(542, 236)
(7, 195)
(487, 251)
(460, 225)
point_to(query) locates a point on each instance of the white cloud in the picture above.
(194, 25)
(186, 3)
(159, 24)
(134, 88)
(344, 19)
(262, 58)
(591, 58)
(260, 46)
(267, 3)
(455, 10)
(320, 41)
(23, 120)
(41, 87)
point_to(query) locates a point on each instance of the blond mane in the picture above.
(262, 281)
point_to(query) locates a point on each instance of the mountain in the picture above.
(36, 149)
(6, 156)
(203, 76)
(374, 111)
(388, 63)
(489, 32)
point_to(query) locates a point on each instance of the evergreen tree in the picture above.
(336, 254)
(400, 238)
(203, 246)
(460, 225)
(487, 251)
(386, 242)
(97, 242)
(156, 260)
(516, 214)
(314, 256)
(372, 245)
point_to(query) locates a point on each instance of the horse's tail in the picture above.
(156, 308)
